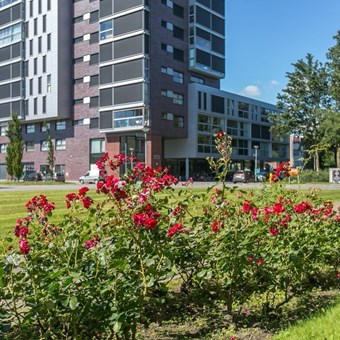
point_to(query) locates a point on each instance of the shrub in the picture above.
(311, 176)
(93, 275)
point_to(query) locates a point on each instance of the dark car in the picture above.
(262, 176)
(53, 178)
(32, 177)
(243, 176)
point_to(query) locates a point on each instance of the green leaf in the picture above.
(116, 327)
(202, 273)
(73, 302)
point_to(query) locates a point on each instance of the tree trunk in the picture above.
(338, 157)
(316, 161)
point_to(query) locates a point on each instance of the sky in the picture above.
(265, 37)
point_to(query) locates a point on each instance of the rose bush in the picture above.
(94, 274)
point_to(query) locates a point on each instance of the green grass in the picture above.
(12, 204)
(325, 326)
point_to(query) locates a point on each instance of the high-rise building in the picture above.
(137, 77)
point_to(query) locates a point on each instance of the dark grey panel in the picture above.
(218, 6)
(5, 110)
(5, 53)
(105, 8)
(16, 107)
(203, 57)
(105, 52)
(16, 70)
(106, 74)
(218, 64)
(217, 104)
(16, 89)
(203, 17)
(129, 70)
(129, 46)
(5, 91)
(5, 72)
(121, 5)
(16, 50)
(106, 97)
(218, 44)
(16, 11)
(5, 16)
(128, 23)
(128, 94)
(105, 120)
(217, 24)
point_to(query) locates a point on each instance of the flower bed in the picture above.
(96, 274)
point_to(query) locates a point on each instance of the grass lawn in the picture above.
(326, 326)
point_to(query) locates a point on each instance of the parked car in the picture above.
(263, 176)
(243, 176)
(32, 177)
(53, 178)
(91, 176)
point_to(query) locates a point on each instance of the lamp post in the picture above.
(131, 155)
(256, 147)
(145, 130)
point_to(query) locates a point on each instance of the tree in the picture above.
(15, 148)
(330, 129)
(50, 153)
(303, 103)
(333, 65)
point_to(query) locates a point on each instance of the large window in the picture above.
(97, 149)
(10, 34)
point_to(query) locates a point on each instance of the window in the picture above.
(179, 121)
(45, 127)
(39, 45)
(48, 84)
(94, 59)
(30, 128)
(10, 34)
(39, 85)
(35, 66)
(178, 33)
(178, 77)
(35, 26)
(44, 24)
(44, 64)
(31, 87)
(43, 145)
(106, 30)
(29, 146)
(178, 54)
(178, 99)
(3, 130)
(31, 47)
(35, 106)
(49, 41)
(97, 149)
(3, 148)
(94, 80)
(48, 5)
(60, 144)
(60, 125)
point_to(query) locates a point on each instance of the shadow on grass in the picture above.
(199, 315)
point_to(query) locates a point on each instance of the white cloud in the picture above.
(274, 83)
(251, 90)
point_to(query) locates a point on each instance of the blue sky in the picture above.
(264, 38)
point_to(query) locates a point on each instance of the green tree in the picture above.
(333, 66)
(50, 153)
(330, 129)
(303, 102)
(15, 148)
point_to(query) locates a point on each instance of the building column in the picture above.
(186, 169)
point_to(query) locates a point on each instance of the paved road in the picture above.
(75, 186)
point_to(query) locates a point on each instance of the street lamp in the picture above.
(256, 147)
(145, 130)
(131, 157)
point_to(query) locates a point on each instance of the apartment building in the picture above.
(123, 76)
